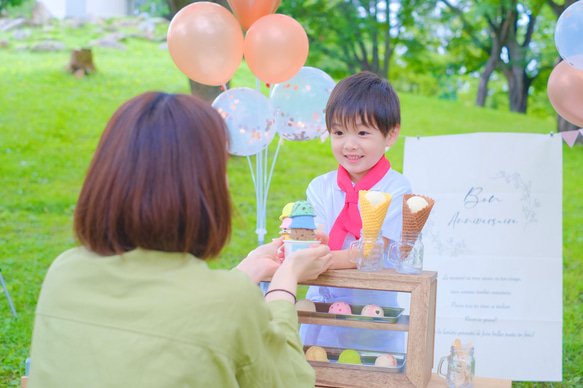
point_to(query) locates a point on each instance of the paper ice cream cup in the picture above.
(291, 246)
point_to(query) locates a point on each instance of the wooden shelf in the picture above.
(402, 323)
(420, 324)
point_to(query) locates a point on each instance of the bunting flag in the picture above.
(571, 136)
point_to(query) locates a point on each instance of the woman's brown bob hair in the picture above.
(158, 180)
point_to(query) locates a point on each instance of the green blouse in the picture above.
(157, 319)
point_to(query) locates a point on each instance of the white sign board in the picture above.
(495, 238)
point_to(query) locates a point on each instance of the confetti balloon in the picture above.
(300, 104)
(569, 35)
(250, 119)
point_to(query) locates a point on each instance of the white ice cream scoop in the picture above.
(417, 203)
(375, 198)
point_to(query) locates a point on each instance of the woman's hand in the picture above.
(308, 264)
(262, 262)
(300, 266)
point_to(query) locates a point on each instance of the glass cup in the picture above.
(407, 254)
(460, 367)
(367, 251)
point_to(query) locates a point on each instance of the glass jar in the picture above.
(407, 254)
(460, 367)
(368, 251)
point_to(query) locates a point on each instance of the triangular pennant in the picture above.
(581, 131)
(570, 137)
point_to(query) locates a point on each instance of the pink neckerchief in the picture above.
(349, 220)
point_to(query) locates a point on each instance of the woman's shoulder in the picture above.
(71, 256)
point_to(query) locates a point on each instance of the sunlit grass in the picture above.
(50, 123)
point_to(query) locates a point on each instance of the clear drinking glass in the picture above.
(368, 251)
(460, 367)
(407, 254)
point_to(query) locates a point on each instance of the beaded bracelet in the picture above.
(282, 290)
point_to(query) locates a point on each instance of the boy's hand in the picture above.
(321, 236)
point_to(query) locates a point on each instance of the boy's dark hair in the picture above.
(158, 180)
(367, 97)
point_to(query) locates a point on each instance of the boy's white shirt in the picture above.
(327, 200)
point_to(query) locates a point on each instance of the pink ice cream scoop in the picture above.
(286, 223)
(340, 308)
(385, 360)
(372, 310)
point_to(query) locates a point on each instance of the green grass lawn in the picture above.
(50, 124)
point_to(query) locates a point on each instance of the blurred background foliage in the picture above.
(492, 53)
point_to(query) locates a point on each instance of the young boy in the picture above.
(364, 119)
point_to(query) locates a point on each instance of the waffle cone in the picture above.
(372, 218)
(369, 237)
(413, 223)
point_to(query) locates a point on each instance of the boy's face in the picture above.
(358, 147)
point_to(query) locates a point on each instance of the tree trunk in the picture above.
(81, 62)
(206, 92)
(515, 69)
(499, 23)
(563, 126)
(518, 84)
(491, 65)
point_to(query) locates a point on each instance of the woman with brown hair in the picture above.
(136, 305)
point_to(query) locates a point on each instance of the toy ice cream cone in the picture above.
(373, 209)
(416, 209)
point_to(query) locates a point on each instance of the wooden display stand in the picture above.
(420, 325)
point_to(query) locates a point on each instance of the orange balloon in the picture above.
(205, 42)
(276, 47)
(565, 90)
(248, 11)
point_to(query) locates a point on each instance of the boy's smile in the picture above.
(359, 147)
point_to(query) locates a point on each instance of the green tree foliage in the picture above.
(4, 4)
(356, 35)
(159, 8)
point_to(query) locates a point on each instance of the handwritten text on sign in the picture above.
(494, 236)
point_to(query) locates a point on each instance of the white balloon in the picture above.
(569, 35)
(250, 119)
(300, 104)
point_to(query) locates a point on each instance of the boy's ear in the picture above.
(393, 135)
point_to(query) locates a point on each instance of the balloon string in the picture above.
(279, 143)
(224, 87)
(270, 89)
(265, 169)
(259, 197)
(252, 175)
(257, 84)
(265, 187)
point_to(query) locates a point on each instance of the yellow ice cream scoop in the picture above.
(286, 211)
